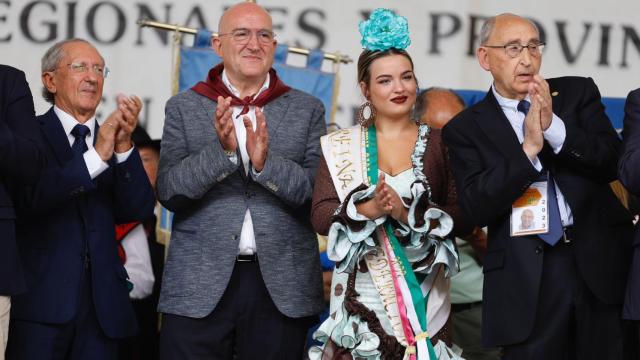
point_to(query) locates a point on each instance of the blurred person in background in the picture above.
(435, 107)
(143, 258)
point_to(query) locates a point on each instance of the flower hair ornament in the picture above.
(384, 30)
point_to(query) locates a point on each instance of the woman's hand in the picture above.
(389, 201)
(385, 201)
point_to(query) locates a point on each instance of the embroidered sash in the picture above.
(342, 152)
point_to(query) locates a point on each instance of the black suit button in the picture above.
(539, 249)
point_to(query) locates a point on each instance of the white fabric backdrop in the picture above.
(602, 36)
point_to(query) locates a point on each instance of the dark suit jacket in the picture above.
(492, 171)
(64, 212)
(629, 172)
(20, 162)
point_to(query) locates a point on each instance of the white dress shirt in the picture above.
(138, 263)
(554, 135)
(247, 244)
(94, 163)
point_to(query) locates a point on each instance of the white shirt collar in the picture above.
(69, 122)
(234, 91)
(506, 103)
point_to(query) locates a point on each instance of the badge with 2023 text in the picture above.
(529, 212)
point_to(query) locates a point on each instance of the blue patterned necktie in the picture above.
(555, 224)
(80, 132)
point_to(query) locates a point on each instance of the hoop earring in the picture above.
(365, 122)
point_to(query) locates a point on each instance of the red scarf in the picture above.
(214, 87)
(121, 231)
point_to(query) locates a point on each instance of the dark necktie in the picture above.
(555, 223)
(80, 132)
(523, 107)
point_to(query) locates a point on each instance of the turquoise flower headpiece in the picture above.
(384, 30)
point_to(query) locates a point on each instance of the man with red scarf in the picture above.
(239, 155)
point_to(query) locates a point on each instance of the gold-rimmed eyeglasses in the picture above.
(242, 36)
(514, 50)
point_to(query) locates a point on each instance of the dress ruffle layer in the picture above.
(348, 247)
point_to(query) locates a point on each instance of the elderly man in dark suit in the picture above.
(629, 172)
(20, 164)
(239, 155)
(556, 294)
(76, 304)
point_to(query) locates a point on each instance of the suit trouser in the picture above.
(5, 307)
(570, 322)
(245, 325)
(79, 339)
(145, 344)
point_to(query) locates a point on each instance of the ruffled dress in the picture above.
(358, 323)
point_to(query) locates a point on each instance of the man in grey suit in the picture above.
(242, 279)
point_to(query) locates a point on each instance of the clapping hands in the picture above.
(257, 139)
(538, 118)
(115, 132)
(224, 125)
(385, 201)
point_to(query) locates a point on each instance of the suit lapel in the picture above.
(495, 125)
(57, 138)
(209, 110)
(55, 135)
(274, 113)
(547, 156)
(556, 97)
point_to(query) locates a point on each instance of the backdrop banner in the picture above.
(599, 39)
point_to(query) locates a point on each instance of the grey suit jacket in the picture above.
(210, 195)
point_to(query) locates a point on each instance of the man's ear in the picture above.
(483, 58)
(216, 44)
(49, 81)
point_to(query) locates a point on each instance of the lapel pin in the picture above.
(555, 93)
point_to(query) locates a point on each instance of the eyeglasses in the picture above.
(242, 36)
(81, 68)
(514, 50)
